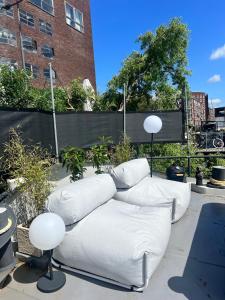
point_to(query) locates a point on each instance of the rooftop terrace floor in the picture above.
(192, 268)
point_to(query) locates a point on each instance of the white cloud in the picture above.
(214, 78)
(218, 53)
(214, 102)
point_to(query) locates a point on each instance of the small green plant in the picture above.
(74, 160)
(30, 167)
(100, 154)
(123, 151)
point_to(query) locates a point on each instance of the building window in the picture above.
(8, 62)
(6, 12)
(45, 27)
(46, 5)
(29, 44)
(26, 18)
(32, 69)
(47, 74)
(74, 17)
(47, 51)
(7, 37)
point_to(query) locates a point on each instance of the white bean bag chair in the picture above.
(118, 241)
(108, 239)
(135, 186)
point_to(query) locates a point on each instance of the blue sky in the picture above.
(117, 24)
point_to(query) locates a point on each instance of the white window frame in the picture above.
(32, 40)
(10, 37)
(41, 4)
(44, 27)
(54, 76)
(49, 49)
(25, 18)
(30, 67)
(73, 21)
(4, 61)
(5, 12)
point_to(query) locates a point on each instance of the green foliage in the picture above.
(14, 88)
(42, 99)
(155, 75)
(16, 91)
(123, 151)
(30, 166)
(163, 150)
(100, 154)
(109, 101)
(74, 159)
(78, 95)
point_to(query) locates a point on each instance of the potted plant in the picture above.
(73, 158)
(100, 154)
(29, 166)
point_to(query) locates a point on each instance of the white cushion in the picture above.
(76, 200)
(112, 241)
(151, 191)
(130, 173)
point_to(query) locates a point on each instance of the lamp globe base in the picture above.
(46, 284)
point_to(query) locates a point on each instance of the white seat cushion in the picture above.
(151, 191)
(112, 240)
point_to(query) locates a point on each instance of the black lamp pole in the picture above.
(151, 152)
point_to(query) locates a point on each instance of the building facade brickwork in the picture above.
(198, 108)
(51, 32)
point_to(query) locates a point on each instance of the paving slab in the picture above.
(193, 266)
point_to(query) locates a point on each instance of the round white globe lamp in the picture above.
(46, 233)
(152, 124)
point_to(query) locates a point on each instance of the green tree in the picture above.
(42, 99)
(14, 88)
(78, 95)
(155, 76)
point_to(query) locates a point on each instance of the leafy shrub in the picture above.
(30, 166)
(42, 99)
(123, 151)
(14, 88)
(78, 95)
(74, 159)
(100, 154)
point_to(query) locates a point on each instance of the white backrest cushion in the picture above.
(76, 200)
(130, 173)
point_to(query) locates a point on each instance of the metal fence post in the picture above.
(53, 112)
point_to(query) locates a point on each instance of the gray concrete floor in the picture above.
(193, 266)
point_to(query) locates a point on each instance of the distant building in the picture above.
(36, 32)
(198, 108)
(220, 117)
(211, 114)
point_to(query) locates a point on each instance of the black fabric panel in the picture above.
(36, 127)
(84, 129)
(172, 127)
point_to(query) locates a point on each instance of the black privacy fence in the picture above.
(83, 129)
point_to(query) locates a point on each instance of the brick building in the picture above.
(36, 32)
(198, 108)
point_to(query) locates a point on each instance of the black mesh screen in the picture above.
(83, 129)
(172, 128)
(35, 127)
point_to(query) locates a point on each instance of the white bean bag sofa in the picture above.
(135, 186)
(114, 241)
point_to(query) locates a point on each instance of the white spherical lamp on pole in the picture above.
(152, 124)
(46, 233)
